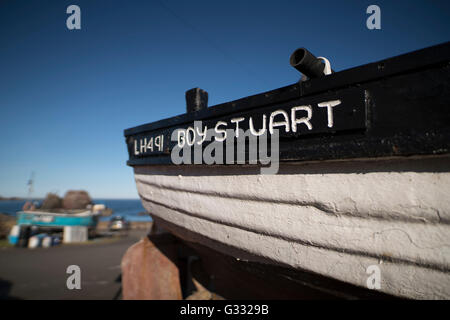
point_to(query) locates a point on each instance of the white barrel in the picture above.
(47, 242)
(15, 230)
(13, 236)
(33, 242)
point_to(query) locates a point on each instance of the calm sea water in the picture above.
(124, 207)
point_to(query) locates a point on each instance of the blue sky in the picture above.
(67, 95)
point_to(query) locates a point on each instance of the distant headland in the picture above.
(10, 198)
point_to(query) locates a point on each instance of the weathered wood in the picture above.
(196, 99)
(149, 270)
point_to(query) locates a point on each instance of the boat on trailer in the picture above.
(75, 224)
(361, 196)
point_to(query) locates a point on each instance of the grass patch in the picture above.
(5, 244)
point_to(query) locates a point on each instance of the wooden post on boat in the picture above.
(196, 99)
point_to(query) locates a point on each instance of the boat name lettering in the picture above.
(294, 120)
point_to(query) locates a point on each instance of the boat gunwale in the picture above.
(400, 64)
(85, 213)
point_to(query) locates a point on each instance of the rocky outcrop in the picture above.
(51, 201)
(76, 199)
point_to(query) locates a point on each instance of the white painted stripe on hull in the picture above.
(374, 189)
(335, 224)
(398, 279)
(427, 244)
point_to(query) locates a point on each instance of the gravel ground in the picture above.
(41, 273)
